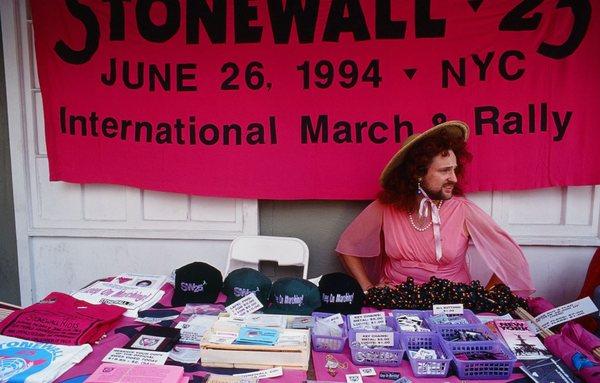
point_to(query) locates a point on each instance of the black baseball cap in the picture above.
(293, 296)
(244, 281)
(197, 282)
(340, 293)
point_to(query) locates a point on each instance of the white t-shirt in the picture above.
(32, 362)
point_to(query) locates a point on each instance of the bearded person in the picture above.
(421, 224)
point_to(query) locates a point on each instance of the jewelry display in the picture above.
(411, 296)
(332, 364)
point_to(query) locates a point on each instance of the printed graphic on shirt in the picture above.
(20, 360)
(49, 326)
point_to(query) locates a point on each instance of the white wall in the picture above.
(69, 234)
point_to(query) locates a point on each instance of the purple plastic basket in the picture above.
(448, 333)
(422, 314)
(427, 368)
(467, 314)
(390, 357)
(482, 369)
(329, 343)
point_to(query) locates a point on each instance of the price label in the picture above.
(454, 309)
(333, 319)
(375, 339)
(369, 320)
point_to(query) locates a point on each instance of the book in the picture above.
(115, 373)
(521, 340)
(549, 370)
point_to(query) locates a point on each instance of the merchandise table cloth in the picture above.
(126, 328)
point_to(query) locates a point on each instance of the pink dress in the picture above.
(408, 252)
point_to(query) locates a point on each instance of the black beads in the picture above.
(411, 296)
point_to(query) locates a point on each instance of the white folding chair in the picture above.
(248, 251)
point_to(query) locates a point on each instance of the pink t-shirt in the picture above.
(408, 252)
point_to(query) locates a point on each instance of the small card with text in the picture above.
(448, 309)
(246, 305)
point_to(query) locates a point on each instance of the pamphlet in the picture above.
(140, 280)
(519, 338)
(129, 297)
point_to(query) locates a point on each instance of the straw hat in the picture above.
(453, 128)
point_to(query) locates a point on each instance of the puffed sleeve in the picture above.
(362, 238)
(499, 251)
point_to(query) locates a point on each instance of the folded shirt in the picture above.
(31, 362)
(61, 319)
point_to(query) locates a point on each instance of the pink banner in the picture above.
(290, 99)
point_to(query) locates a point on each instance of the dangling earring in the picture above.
(419, 185)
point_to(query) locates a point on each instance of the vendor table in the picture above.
(126, 328)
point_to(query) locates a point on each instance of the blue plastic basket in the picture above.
(482, 369)
(389, 357)
(329, 343)
(427, 368)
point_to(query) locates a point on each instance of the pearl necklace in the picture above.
(423, 228)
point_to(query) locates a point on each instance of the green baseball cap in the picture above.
(293, 296)
(244, 281)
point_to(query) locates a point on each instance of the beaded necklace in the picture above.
(422, 228)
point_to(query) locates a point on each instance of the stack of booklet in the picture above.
(258, 335)
(114, 373)
(134, 292)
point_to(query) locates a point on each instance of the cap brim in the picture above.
(454, 128)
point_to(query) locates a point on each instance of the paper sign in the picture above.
(262, 374)
(125, 356)
(367, 320)
(246, 305)
(353, 378)
(367, 371)
(375, 339)
(333, 319)
(190, 334)
(565, 313)
(448, 309)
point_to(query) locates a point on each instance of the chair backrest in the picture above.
(248, 251)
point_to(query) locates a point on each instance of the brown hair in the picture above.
(400, 188)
